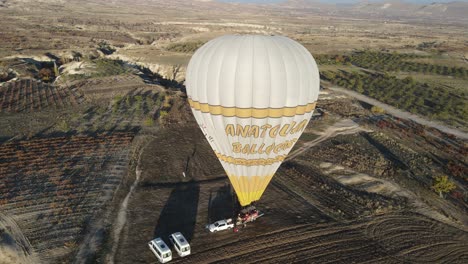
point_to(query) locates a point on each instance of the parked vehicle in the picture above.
(220, 225)
(160, 250)
(180, 244)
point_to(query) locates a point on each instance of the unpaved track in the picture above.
(365, 182)
(94, 236)
(342, 127)
(402, 114)
(122, 214)
(17, 248)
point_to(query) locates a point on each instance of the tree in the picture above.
(358, 86)
(328, 75)
(4, 72)
(139, 100)
(116, 103)
(148, 122)
(377, 110)
(63, 126)
(46, 74)
(443, 185)
(77, 56)
(4, 75)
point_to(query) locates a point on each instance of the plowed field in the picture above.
(309, 217)
(52, 187)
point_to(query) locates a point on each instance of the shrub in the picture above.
(163, 113)
(377, 110)
(63, 126)
(148, 122)
(139, 100)
(167, 102)
(443, 185)
(46, 75)
(116, 104)
(186, 47)
(106, 48)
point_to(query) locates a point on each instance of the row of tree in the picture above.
(416, 97)
(185, 47)
(384, 61)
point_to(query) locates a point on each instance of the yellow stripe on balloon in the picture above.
(252, 112)
(249, 188)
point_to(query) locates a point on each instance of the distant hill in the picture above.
(405, 10)
(400, 8)
(452, 11)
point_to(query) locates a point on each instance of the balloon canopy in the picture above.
(252, 97)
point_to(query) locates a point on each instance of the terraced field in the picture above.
(28, 95)
(53, 187)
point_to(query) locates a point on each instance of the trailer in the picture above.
(247, 215)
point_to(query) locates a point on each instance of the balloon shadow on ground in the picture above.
(179, 213)
(222, 204)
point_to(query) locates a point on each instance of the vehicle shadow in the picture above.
(180, 212)
(222, 204)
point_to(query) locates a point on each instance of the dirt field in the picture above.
(308, 215)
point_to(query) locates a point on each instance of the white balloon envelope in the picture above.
(252, 97)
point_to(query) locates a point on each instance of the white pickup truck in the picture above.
(220, 225)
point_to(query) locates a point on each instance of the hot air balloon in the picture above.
(252, 97)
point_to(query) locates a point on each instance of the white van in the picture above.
(180, 244)
(160, 250)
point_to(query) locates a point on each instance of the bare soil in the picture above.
(309, 216)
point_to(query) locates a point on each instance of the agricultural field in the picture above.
(415, 97)
(53, 187)
(390, 62)
(28, 95)
(432, 90)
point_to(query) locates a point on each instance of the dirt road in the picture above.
(14, 246)
(341, 127)
(402, 114)
(122, 214)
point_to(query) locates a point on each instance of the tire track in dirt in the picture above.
(401, 237)
(242, 249)
(368, 183)
(17, 248)
(342, 127)
(122, 214)
(417, 239)
(94, 236)
(307, 243)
